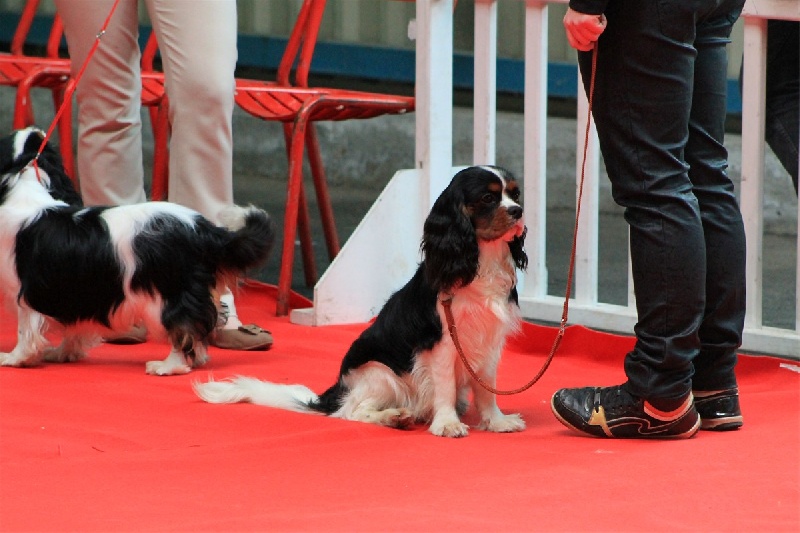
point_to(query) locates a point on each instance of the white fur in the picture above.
(26, 199)
(436, 391)
(438, 384)
(244, 389)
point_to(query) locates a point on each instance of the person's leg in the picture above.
(642, 101)
(198, 47)
(108, 96)
(723, 319)
(783, 93)
(641, 105)
(714, 381)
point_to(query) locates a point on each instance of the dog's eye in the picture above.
(514, 194)
(487, 198)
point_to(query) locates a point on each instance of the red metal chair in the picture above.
(25, 72)
(297, 105)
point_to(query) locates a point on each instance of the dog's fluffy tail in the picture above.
(253, 235)
(250, 390)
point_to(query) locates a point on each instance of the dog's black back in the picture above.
(394, 338)
(56, 256)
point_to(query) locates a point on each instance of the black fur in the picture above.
(71, 265)
(69, 271)
(60, 186)
(409, 322)
(449, 241)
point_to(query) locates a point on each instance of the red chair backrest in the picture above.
(300, 47)
(24, 27)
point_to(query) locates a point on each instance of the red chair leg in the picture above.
(23, 113)
(65, 136)
(306, 241)
(303, 221)
(23, 107)
(323, 197)
(294, 186)
(159, 189)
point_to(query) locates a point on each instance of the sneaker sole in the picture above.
(721, 424)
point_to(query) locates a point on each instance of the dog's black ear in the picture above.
(61, 187)
(12, 151)
(517, 247)
(449, 242)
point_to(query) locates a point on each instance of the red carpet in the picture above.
(100, 446)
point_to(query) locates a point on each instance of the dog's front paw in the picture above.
(13, 359)
(450, 428)
(166, 368)
(503, 424)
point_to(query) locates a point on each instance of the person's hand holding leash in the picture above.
(582, 29)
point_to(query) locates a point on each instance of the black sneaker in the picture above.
(719, 410)
(614, 412)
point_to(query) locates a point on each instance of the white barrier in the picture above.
(397, 251)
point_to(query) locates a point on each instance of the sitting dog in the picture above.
(405, 366)
(100, 270)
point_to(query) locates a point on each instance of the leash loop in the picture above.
(447, 302)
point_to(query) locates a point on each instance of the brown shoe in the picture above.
(136, 335)
(249, 337)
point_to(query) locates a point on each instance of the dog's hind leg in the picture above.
(72, 348)
(200, 355)
(30, 339)
(368, 411)
(377, 396)
(174, 364)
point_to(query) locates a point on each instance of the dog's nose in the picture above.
(515, 212)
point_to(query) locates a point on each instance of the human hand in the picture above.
(582, 29)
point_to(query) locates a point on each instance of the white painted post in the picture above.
(535, 158)
(434, 97)
(485, 84)
(752, 195)
(587, 246)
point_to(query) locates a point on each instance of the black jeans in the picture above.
(782, 123)
(659, 107)
(783, 92)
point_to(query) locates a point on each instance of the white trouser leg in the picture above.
(109, 100)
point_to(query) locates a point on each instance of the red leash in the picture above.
(447, 303)
(71, 84)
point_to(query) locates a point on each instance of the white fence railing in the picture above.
(343, 296)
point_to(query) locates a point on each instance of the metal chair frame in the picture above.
(298, 105)
(50, 71)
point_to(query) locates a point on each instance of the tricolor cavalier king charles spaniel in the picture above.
(99, 270)
(404, 368)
